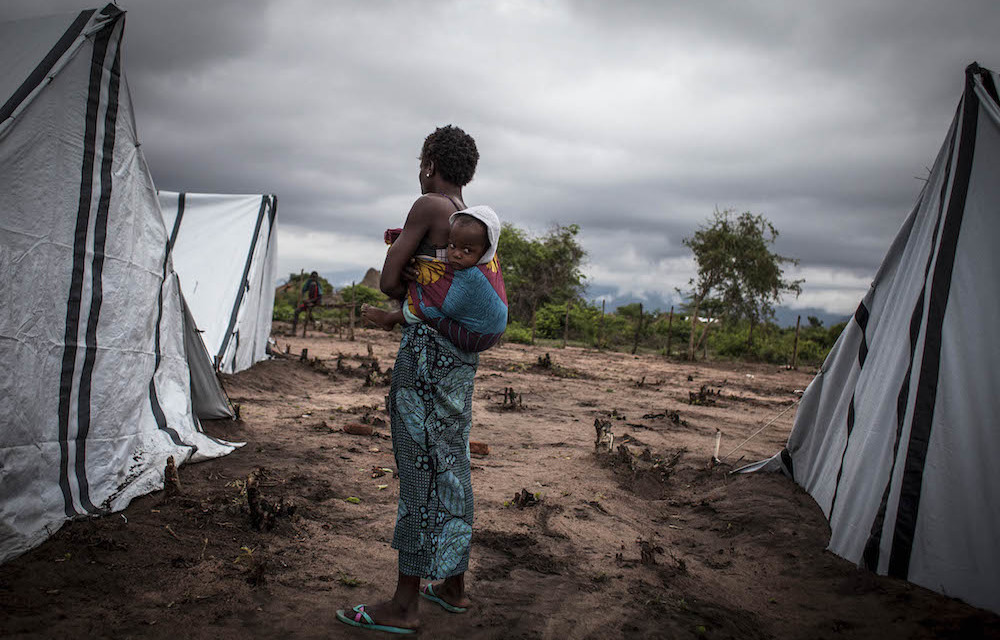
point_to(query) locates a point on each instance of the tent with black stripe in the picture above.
(96, 388)
(897, 437)
(224, 248)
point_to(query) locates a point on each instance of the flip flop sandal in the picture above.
(362, 620)
(428, 592)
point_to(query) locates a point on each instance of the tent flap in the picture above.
(207, 396)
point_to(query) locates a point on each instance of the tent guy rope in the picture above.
(755, 433)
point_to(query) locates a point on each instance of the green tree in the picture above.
(737, 271)
(539, 271)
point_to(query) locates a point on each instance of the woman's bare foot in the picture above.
(452, 591)
(378, 317)
(393, 614)
(401, 611)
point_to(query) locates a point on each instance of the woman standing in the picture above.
(430, 410)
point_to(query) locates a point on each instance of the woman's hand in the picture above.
(410, 270)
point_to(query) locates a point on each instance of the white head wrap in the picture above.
(487, 216)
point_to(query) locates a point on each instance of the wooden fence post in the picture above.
(638, 330)
(534, 306)
(693, 322)
(795, 349)
(566, 326)
(670, 326)
(600, 335)
(302, 275)
(354, 294)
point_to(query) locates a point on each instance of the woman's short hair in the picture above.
(453, 153)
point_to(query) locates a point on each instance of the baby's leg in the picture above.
(381, 318)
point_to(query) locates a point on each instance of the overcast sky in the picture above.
(634, 120)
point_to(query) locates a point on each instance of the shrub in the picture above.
(283, 312)
(811, 352)
(518, 333)
(728, 342)
(584, 321)
(678, 331)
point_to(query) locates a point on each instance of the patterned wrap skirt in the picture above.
(430, 410)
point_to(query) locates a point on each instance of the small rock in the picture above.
(479, 448)
(358, 429)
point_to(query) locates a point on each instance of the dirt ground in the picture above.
(611, 545)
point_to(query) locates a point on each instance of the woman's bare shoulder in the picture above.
(435, 200)
(429, 207)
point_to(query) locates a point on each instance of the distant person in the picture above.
(311, 295)
(430, 410)
(468, 306)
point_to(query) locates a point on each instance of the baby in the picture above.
(464, 299)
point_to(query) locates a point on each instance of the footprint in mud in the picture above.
(522, 551)
(669, 613)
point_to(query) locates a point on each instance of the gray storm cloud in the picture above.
(634, 120)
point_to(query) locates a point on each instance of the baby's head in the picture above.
(467, 241)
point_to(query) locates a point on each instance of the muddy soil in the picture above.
(619, 543)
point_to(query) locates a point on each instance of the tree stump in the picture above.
(264, 514)
(171, 481)
(604, 435)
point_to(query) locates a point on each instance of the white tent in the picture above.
(95, 388)
(224, 249)
(898, 437)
